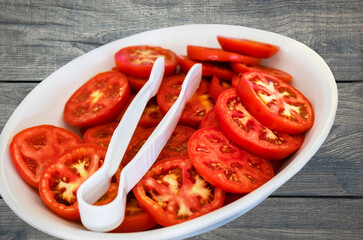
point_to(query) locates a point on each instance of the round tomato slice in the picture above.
(275, 103)
(136, 83)
(248, 47)
(172, 192)
(138, 60)
(226, 165)
(60, 180)
(209, 120)
(152, 114)
(217, 86)
(177, 145)
(101, 134)
(214, 54)
(98, 101)
(34, 148)
(194, 110)
(242, 68)
(208, 69)
(136, 219)
(246, 131)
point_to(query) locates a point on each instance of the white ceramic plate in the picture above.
(44, 105)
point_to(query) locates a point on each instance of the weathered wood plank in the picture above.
(275, 218)
(38, 37)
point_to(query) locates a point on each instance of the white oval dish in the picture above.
(45, 103)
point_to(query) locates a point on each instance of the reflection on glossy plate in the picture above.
(44, 105)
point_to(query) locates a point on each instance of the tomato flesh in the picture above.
(173, 192)
(246, 131)
(242, 68)
(34, 148)
(209, 120)
(152, 114)
(101, 134)
(217, 86)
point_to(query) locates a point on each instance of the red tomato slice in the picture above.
(152, 114)
(208, 69)
(172, 192)
(136, 83)
(136, 219)
(138, 60)
(214, 54)
(217, 86)
(98, 101)
(194, 110)
(209, 120)
(34, 148)
(243, 129)
(248, 47)
(101, 134)
(60, 180)
(275, 103)
(224, 164)
(242, 68)
(177, 144)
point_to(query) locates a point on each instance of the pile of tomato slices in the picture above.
(234, 133)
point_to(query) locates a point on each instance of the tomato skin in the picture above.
(138, 60)
(243, 129)
(242, 68)
(100, 134)
(208, 69)
(214, 54)
(216, 87)
(224, 164)
(275, 114)
(61, 179)
(248, 47)
(98, 101)
(166, 192)
(32, 149)
(209, 120)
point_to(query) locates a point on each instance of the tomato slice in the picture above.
(217, 86)
(248, 47)
(243, 129)
(177, 145)
(275, 103)
(209, 120)
(98, 101)
(138, 60)
(172, 192)
(32, 149)
(219, 55)
(194, 110)
(101, 134)
(224, 164)
(136, 219)
(60, 181)
(242, 68)
(152, 114)
(208, 69)
(136, 83)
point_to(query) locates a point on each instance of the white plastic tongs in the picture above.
(108, 217)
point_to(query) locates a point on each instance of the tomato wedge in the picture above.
(214, 54)
(248, 47)
(208, 69)
(243, 129)
(152, 114)
(224, 164)
(136, 219)
(60, 181)
(98, 101)
(242, 68)
(173, 192)
(32, 149)
(101, 134)
(138, 60)
(275, 103)
(209, 120)
(194, 110)
(217, 86)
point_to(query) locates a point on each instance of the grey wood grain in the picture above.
(38, 37)
(275, 218)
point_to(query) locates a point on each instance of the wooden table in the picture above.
(323, 201)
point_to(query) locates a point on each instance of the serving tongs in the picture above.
(107, 217)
